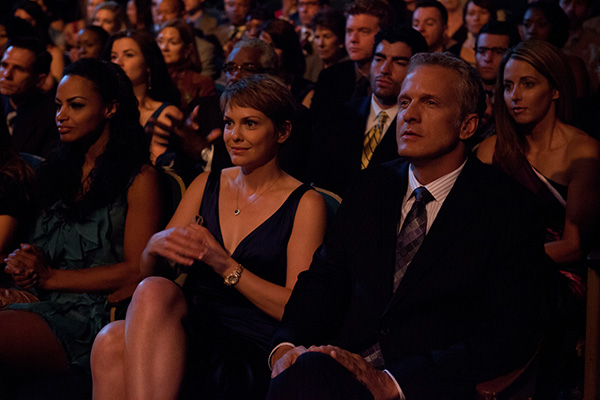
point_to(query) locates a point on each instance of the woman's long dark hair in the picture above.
(123, 157)
(161, 86)
(284, 37)
(551, 63)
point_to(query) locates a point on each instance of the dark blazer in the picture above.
(468, 307)
(34, 128)
(335, 86)
(336, 148)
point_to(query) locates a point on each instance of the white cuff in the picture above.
(400, 392)
(275, 349)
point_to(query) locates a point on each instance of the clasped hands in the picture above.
(378, 382)
(188, 244)
(28, 267)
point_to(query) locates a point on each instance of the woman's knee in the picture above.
(109, 347)
(158, 297)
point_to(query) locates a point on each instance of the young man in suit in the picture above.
(363, 132)
(348, 79)
(27, 111)
(430, 278)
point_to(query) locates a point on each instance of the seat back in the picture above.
(174, 189)
(332, 202)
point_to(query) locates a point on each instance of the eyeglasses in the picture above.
(232, 68)
(499, 51)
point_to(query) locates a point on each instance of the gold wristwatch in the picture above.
(233, 278)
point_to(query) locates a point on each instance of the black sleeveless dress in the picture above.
(230, 337)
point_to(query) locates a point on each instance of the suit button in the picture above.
(384, 332)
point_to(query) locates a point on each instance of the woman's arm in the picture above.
(583, 204)
(142, 220)
(307, 235)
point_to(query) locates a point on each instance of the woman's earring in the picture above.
(149, 80)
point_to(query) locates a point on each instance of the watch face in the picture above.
(232, 279)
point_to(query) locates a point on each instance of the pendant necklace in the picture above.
(238, 210)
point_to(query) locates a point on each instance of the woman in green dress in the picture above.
(100, 204)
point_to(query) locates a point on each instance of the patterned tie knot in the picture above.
(422, 195)
(382, 118)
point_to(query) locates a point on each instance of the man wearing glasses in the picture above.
(492, 42)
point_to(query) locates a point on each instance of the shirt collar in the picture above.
(376, 109)
(440, 188)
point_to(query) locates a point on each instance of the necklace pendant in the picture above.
(236, 212)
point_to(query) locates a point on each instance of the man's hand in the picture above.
(184, 134)
(284, 357)
(378, 382)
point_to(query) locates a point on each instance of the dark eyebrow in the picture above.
(382, 55)
(75, 98)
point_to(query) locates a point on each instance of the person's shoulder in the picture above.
(485, 150)
(312, 202)
(383, 174)
(581, 145)
(146, 179)
(338, 70)
(499, 190)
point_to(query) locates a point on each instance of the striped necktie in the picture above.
(372, 139)
(412, 233)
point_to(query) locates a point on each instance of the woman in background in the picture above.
(560, 164)
(140, 57)
(91, 42)
(476, 14)
(100, 204)
(260, 229)
(109, 16)
(282, 36)
(176, 41)
(330, 29)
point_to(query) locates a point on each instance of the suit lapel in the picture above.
(455, 214)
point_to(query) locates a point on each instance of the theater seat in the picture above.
(516, 385)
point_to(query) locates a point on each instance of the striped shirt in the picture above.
(439, 189)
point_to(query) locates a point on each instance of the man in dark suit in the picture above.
(430, 278)
(355, 136)
(348, 79)
(27, 111)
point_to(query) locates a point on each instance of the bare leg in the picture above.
(27, 346)
(155, 342)
(108, 363)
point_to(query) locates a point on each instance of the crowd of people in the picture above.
(459, 136)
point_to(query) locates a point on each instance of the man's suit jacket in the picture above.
(335, 86)
(336, 148)
(34, 128)
(468, 307)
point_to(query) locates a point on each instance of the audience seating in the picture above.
(516, 385)
(591, 389)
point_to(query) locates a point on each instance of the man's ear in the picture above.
(555, 94)
(469, 126)
(40, 81)
(283, 135)
(111, 109)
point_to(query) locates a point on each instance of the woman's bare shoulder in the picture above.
(485, 150)
(581, 145)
